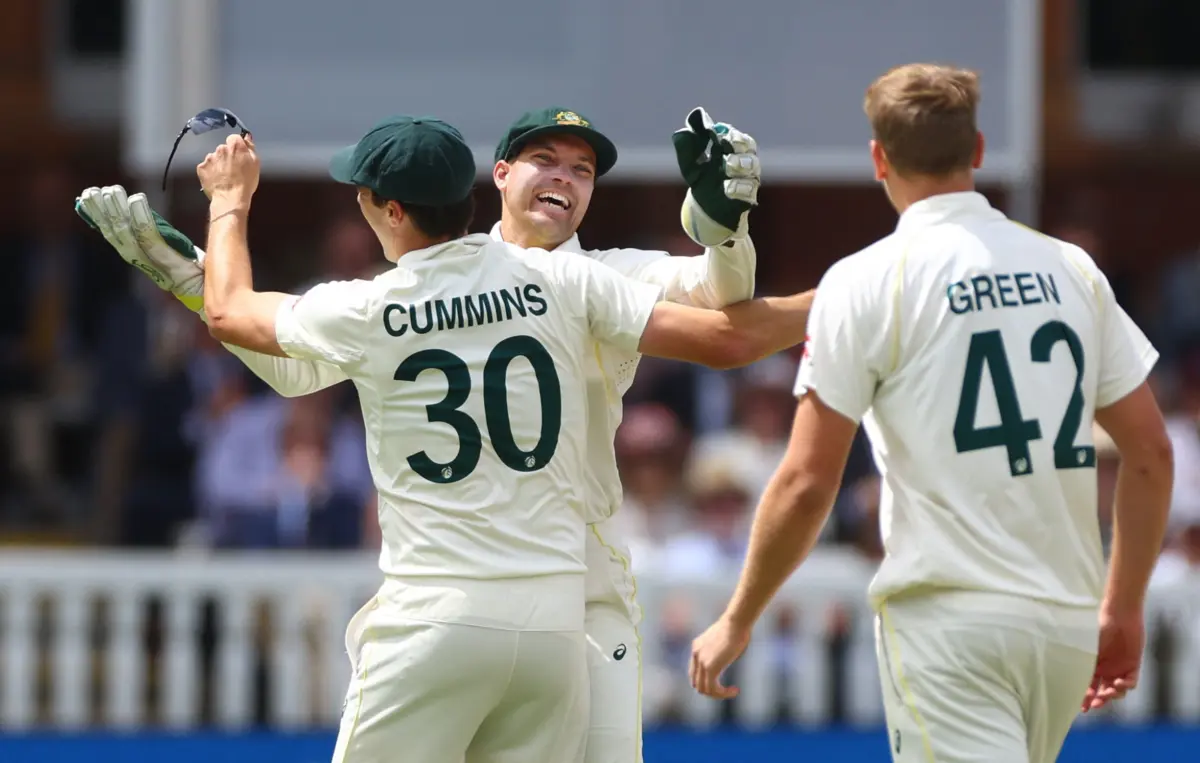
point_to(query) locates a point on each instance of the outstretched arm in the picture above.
(166, 256)
(731, 337)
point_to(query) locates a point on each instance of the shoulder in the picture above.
(867, 271)
(357, 297)
(625, 261)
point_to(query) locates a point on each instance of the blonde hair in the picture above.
(923, 116)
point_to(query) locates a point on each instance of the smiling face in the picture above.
(545, 190)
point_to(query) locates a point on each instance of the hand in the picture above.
(720, 165)
(1118, 659)
(146, 241)
(229, 175)
(712, 652)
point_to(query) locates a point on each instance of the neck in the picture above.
(908, 191)
(400, 245)
(524, 237)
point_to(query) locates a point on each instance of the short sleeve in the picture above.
(328, 323)
(1126, 355)
(837, 363)
(617, 308)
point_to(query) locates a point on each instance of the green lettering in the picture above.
(451, 318)
(1026, 288)
(959, 299)
(1005, 290)
(387, 320)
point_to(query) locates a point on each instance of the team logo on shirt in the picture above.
(570, 118)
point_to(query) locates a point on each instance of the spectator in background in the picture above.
(721, 491)
(762, 421)
(286, 472)
(1182, 555)
(163, 383)
(349, 250)
(651, 448)
(56, 286)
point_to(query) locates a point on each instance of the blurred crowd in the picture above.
(124, 423)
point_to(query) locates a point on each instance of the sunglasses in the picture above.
(206, 121)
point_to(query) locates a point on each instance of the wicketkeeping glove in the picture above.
(720, 165)
(146, 241)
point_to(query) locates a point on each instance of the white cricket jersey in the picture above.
(976, 351)
(471, 359)
(721, 276)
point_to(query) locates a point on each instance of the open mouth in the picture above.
(553, 199)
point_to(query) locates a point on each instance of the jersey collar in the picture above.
(455, 248)
(570, 245)
(947, 207)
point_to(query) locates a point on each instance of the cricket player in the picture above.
(475, 643)
(976, 352)
(546, 166)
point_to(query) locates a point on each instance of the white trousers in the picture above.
(437, 692)
(964, 689)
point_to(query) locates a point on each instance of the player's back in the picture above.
(468, 358)
(475, 418)
(992, 353)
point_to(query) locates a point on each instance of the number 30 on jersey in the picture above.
(1015, 432)
(495, 405)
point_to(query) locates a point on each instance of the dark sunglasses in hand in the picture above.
(206, 121)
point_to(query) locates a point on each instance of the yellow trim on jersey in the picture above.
(909, 699)
(1086, 275)
(897, 301)
(637, 632)
(362, 684)
(613, 397)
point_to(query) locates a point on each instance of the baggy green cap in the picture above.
(561, 121)
(414, 160)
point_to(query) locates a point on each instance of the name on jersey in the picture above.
(1000, 290)
(465, 312)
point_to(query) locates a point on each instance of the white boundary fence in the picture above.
(125, 640)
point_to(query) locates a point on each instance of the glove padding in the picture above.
(145, 240)
(720, 165)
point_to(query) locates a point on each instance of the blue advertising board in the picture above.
(661, 746)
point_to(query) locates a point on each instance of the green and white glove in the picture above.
(720, 165)
(145, 240)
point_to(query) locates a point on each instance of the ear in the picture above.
(977, 162)
(395, 214)
(500, 174)
(879, 159)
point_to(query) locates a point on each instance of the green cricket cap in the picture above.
(556, 121)
(414, 160)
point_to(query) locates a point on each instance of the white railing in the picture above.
(126, 639)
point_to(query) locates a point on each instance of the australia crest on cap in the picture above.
(570, 118)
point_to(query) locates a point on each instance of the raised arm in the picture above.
(720, 165)
(328, 323)
(722, 275)
(166, 256)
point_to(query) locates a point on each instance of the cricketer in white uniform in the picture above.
(475, 643)
(536, 156)
(975, 352)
